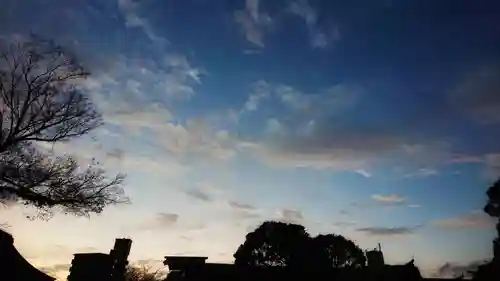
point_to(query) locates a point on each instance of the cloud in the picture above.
(166, 219)
(157, 222)
(130, 10)
(56, 270)
(252, 52)
(310, 133)
(198, 195)
(327, 146)
(254, 23)
(389, 231)
(196, 139)
(274, 126)
(326, 149)
(290, 215)
(317, 37)
(364, 173)
(137, 96)
(389, 199)
(243, 210)
(334, 99)
(260, 90)
(490, 162)
(240, 205)
(138, 79)
(492, 165)
(179, 64)
(116, 153)
(343, 212)
(131, 162)
(344, 223)
(477, 94)
(476, 219)
(422, 172)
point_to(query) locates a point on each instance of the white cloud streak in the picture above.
(389, 199)
(317, 37)
(476, 219)
(254, 23)
(129, 8)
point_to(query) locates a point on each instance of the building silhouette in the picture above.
(119, 255)
(100, 266)
(192, 268)
(112, 267)
(12, 264)
(375, 258)
(90, 266)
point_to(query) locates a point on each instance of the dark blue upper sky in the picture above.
(376, 119)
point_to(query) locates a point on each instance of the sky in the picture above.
(377, 120)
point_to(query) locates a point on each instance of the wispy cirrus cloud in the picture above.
(344, 224)
(318, 38)
(309, 133)
(327, 147)
(244, 210)
(198, 195)
(290, 215)
(389, 231)
(489, 161)
(240, 205)
(59, 271)
(335, 98)
(137, 79)
(130, 10)
(167, 219)
(138, 97)
(422, 173)
(389, 199)
(158, 221)
(260, 91)
(475, 219)
(254, 22)
(477, 94)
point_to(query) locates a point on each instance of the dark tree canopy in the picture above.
(492, 208)
(272, 244)
(336, 251)
(41, 103)
(491, 270)
(278, 244)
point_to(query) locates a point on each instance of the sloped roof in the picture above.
(13, 266)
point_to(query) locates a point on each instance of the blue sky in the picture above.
(374, 119)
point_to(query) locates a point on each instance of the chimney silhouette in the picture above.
(119, 254)
(100, 266)
(375, 258)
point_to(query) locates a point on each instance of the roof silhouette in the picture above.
(14, 266)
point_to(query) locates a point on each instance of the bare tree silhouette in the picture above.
(41, 103)
(143, 273)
